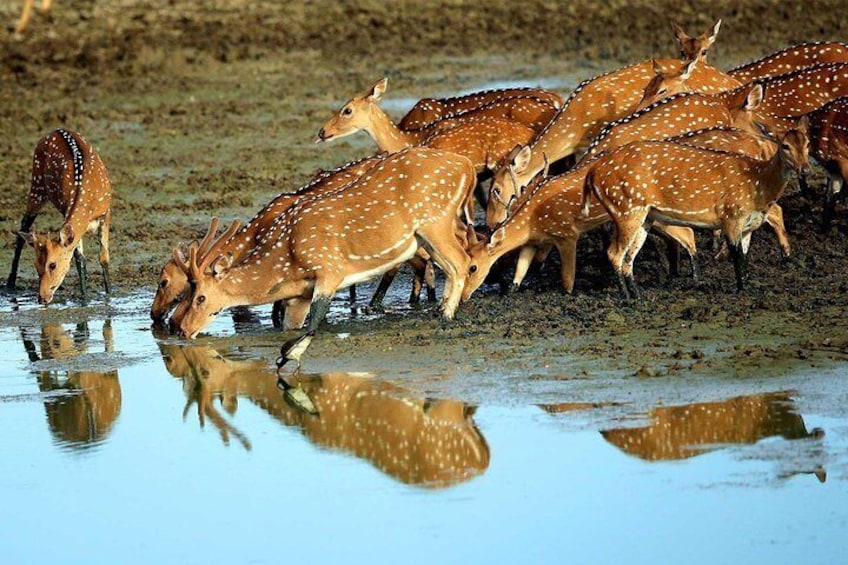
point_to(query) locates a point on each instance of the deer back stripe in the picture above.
(776, 54)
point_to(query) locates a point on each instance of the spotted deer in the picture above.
(665, 84)
(828, 131)
(734, 140)
(419, 441)
(789, 96)
(791, 59)
(68, 173)
(484, 139)
(678, 184)
(549, 213)
(346, 236)
(682, 113)
(26, 14)
(173, 282)
(429, 111)
(695, 48)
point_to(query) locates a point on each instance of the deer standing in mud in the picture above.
(791, 59)
(550, 212)
(517, 101)
(603, 99)
(682, 185)
(68, 173)
(828, 131)
(347, 236)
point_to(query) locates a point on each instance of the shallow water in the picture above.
(115, 441)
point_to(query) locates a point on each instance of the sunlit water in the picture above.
(118, 447)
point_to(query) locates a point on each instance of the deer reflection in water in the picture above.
(81, 406)
(680, 432)
(419, 441)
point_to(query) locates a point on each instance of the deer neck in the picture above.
(250, 284)
(773, 175)
(385, 133)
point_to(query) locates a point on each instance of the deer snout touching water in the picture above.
(67, 172)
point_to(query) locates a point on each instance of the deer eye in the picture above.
(472, 269)
(347, 111)
(201, 299)
(163, 283)
(703, 51)
(52, 266)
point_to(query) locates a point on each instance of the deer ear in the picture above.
(678, 33)
(66, 235)
(754, 98)
(221, 266)
(27, 236)
(714, 33)
(803, 125)
(521, 160)
(495, 240)
(655, 68)
(378, 89)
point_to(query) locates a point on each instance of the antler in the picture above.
(198, 262)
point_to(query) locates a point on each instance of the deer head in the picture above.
(665, 84)
(355, 115)
(205, 273)
(483, 255)
(505, 185)
(53, 255)
(695, 48)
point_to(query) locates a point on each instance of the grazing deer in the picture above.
(549, 213)
(828, 131)
(349, 235)
(792, 95)
(67, 172)
(791, 59)
(679, 184)
(429, 111)
(173, 282)
(26, 13)
(419, 441)
(605, 98)
(482, 138)
(695, 48)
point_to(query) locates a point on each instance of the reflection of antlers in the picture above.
(205, 407)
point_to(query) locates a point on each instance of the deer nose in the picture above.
(322, 135)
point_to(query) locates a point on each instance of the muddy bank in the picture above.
(214, 111)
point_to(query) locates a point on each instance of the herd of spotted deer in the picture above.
(673, 144)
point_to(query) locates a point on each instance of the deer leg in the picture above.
(430, 281)
(23, 21)
(567, 249)
(525, 257)
(739, 253)
(419, 268)
(352, 294)
(82, 271)
(451, 257)
(104, 252)
(26, 224)
(803, 186)
(834, 187)
(685, 238)
(278, 310)
(385, 282)
(774, 218)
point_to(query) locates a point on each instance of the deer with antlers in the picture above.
(791, 59)
(528, 105)
(68, 173)
(173, 281)
(349, 235)
(550, 212)
(650, 181)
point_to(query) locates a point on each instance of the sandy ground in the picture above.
(214, 111)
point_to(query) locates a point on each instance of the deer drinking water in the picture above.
(68, 173)
(357, 232)
(661, 181)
